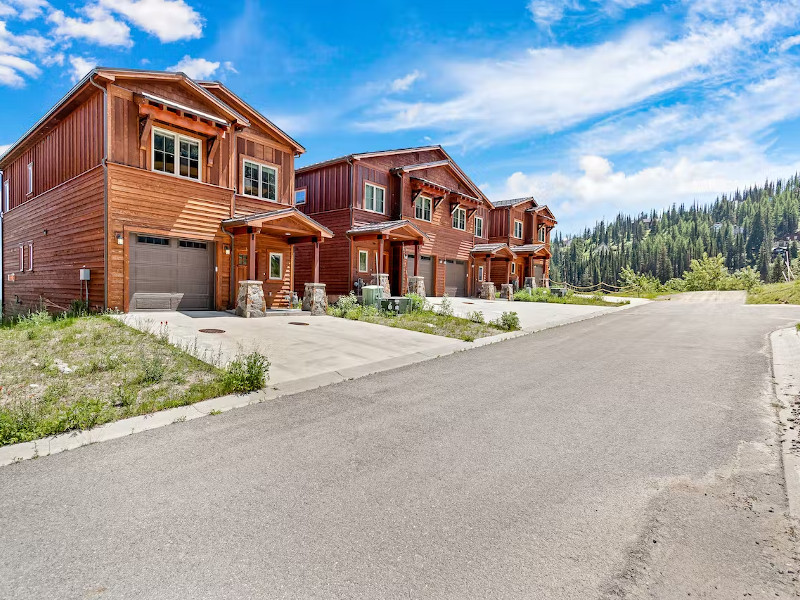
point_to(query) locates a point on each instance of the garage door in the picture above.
(455, 278)
(425, 270)
(170, 273)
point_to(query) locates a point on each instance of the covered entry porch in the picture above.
(261, 253)
(533, 262)
(493, 263)
(378, 251)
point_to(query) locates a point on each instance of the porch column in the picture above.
(488, 268)
(546, 265)
(379, 266)
(251, 258)
(416, 259)
(508, 271)
(316, 260)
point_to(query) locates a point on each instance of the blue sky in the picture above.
(592, 106)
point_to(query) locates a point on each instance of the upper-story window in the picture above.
(460, 219)
(300, 196)
(260, 181)
(374, 198)
(518, 229)
(6, 196)
(422, 208)
(30, 177)
(478, 226)
(176, 154)
(542, 232)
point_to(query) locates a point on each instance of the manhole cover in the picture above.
(298, 323)
(469, 303)
(212, 331)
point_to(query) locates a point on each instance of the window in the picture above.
(513, 268)
(260, 181)
(300, 196)
(363, 261)
(188, 163)
(6, 196)
(518, 229)
(191, 244)
(480, 273)
(149, 239)
(21, 258)
(460, 219)
(30, 177)
(542, 232)
(242, 260)
(478, 227)
(374, 198)
(275, 265)
(422, 208)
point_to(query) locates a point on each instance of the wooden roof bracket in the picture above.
(146, 126)
(471, 212)
(212, 150)
(454, 206)
(415, 194)
(437, 201)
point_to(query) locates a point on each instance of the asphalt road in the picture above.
(630, 456)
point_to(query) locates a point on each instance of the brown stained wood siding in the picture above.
(72, 216)
(143, 201)
(363, 175)
(245, 205)
(275, 292)
(261, 149)
(74, 146)
(334, 270)
(328, 188)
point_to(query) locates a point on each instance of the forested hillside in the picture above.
(743, 228)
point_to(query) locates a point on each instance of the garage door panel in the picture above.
(425, 271)
(455, 278)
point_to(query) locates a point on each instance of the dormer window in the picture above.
(460, 219)
(542, 232)
(518, 229)
(183, 163)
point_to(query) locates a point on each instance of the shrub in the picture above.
(77, 308)
(152, 371)
(418, 303)
(508, 321)
(344, 305)
(446, 307)
(475, 316)
(246, 373)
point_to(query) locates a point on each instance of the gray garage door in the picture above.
(425, 270)
(170, 273)
(455, 278)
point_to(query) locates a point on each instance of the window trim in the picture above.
(261, 165)
(30, 256)
(476, 227)
(177, 136)
(30, 178)
(6, 195)
(513, 268)
(269, 266)
(453, 219)
(521, 230)
(542, 234)
(430, 209)
(305, 196)
(480, 273)
(21, 265)
(364, 198)
(366, 267)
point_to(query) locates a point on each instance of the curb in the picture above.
(786, 385)
(71, 440)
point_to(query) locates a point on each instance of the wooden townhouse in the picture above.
(519, 244)
(401, 218)
(169, 192)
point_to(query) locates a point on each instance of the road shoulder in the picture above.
(786, 378)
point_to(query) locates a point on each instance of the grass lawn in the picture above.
(775, 293)
(542, 295)
(431, 322)
(78, 372)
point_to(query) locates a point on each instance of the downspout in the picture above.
(104, 162)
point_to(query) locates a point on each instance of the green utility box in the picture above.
(397, 304)
(372, 295)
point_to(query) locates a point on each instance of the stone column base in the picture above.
(488, 290)
(416, 285)
(382, 279)
(250, 299)
(315, 299)
(507, 291)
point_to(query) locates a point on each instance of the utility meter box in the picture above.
(85, 275)
(397, 304)
(372, 295)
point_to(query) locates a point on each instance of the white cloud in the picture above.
(168, 20)
(15, 61)
(80, 66)
(100, 27)
(25, 9)
(12, 69)
(403, 84)
(6, 10)
(547, 12)
(196, 68)
(4, 148)
(789, 43)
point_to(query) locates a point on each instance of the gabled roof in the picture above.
(513, 202)
(494, 250)
(348, 157)
(543, 209)
(529, 249)
(275, 217)
(444, 188)
(264, 121)
(403, 227)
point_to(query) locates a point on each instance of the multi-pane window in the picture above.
(300, 196)
(518, 229)
(478, 227)
(374, 198)
(542, 232)
(460, 219)
(275, 265)
(422, 208)
(363, 261)
(260, 181)
(164, 159)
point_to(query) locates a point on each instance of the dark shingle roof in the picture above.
(511, 201)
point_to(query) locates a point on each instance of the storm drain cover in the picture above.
(469, 303)
(298, 323)
(212, 331)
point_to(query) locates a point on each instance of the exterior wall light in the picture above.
(118, 235)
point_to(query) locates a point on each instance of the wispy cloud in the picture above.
(196, 68)
(99, 27)
(80, 66)
(403, 84)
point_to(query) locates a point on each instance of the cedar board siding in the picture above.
(275, 292)
(72, 147)
(327, 189)
(72, 215)
(142, 201)
(334, 255)
(262, 149)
